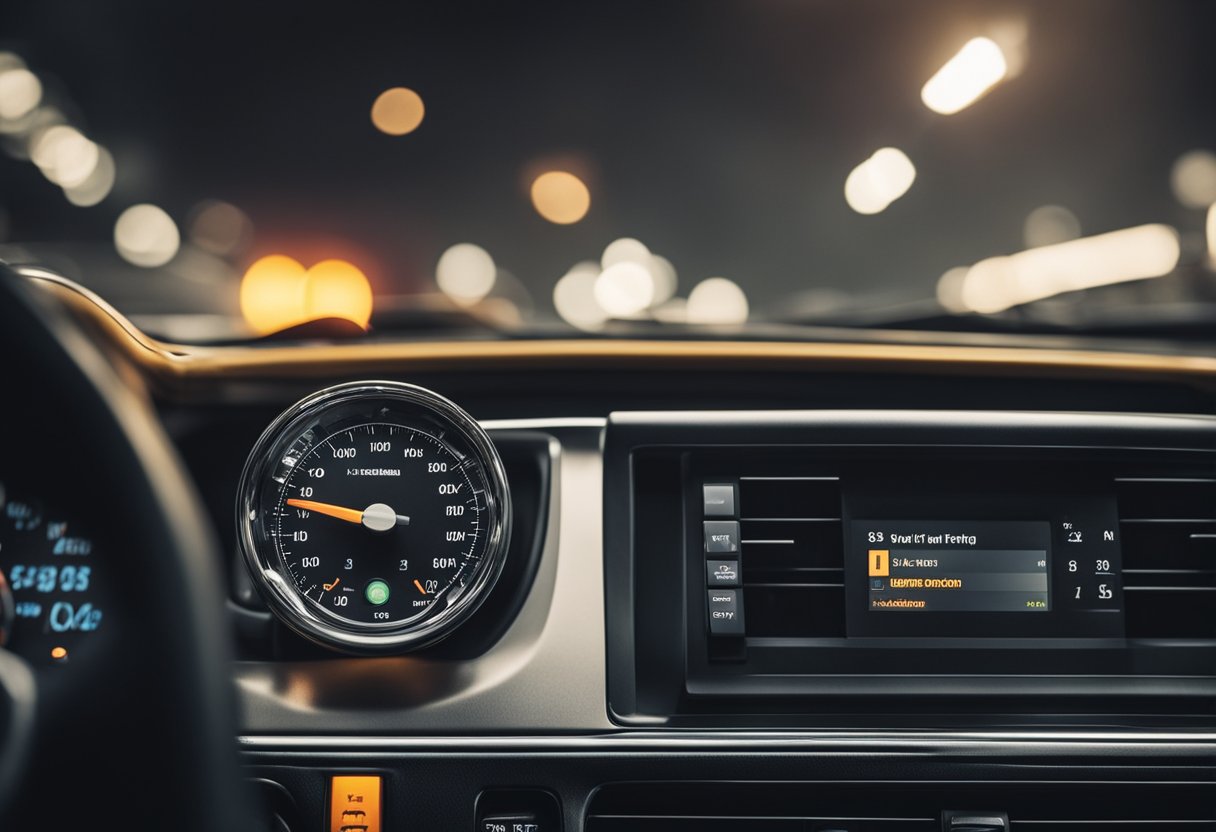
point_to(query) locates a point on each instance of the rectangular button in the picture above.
(721, 537)
(721, 573)
(725, 612)
(718, 499)
(354, 803)
(511, 823)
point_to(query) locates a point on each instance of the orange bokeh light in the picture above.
(560, 197)
(338, 289)
(398, 111)
(272, 294)
(277, 292)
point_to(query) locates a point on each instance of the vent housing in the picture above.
(1168, 525)
(792, 556)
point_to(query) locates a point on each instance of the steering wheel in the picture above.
(139, 733)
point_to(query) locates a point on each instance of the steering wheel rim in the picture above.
(154, 716)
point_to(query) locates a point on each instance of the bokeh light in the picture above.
(665, 279)
(398, 111)
(64, 155)
(97, 185)
(716, 300)
(1000, 283)
(146, 236)
(950, 290)
(220, 228)
(337, 289)
(624, 289)
(20, 92)
(878, 181)
(625, 250)
(574, 297)
(278, 292)
(1193, 179)
(1210, 227)
(272, 293)
(466, 273)
(978, 66)
(1050, 224)
(560, 197)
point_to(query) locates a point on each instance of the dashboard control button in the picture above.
(955, 821)
(725, 612)
(722, 573)
(721, 537)
(354, 803)
(719, 499)
(512, 823)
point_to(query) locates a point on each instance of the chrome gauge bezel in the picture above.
(266, 567)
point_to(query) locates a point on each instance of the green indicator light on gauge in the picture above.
(376, 593)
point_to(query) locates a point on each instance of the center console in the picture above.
(905, 569)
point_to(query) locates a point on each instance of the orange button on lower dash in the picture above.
(354, 803)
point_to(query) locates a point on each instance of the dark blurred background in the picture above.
(719, 134)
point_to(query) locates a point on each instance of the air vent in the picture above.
(884, 807)
(793, 558)
(1169, 556)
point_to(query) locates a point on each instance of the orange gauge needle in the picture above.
(350, 515)
(377, 517)
(420, 589)
(328, 587)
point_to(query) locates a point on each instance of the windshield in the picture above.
(223, 170)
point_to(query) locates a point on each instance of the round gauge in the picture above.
(374, 516)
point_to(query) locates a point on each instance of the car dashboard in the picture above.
(641, 585)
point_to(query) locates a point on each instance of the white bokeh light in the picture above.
(624, 289)
(950, 289)
(1000, 283)
(64, 155)
(879, 180)
(574, 297)
(97, 185)
(466, 273)
(625, 250)
(1193, 179)
(1050, 224)
(716, 300)
(665, 279)
(20, 93)
(1210, 228)
(146, 236)
(964, 78)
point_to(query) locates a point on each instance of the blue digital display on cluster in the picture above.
(50, 570)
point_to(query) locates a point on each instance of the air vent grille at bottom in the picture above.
(886, 807)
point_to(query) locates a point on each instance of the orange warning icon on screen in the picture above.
(880, 563)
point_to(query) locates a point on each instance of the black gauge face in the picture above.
(374, 516)
(50, 603)
(380, 521)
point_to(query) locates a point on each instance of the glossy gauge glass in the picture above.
(374, 517)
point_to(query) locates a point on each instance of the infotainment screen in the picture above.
(958, 566)
(927, 559)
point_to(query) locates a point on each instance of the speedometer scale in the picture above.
(378, 522)
(374, 517)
